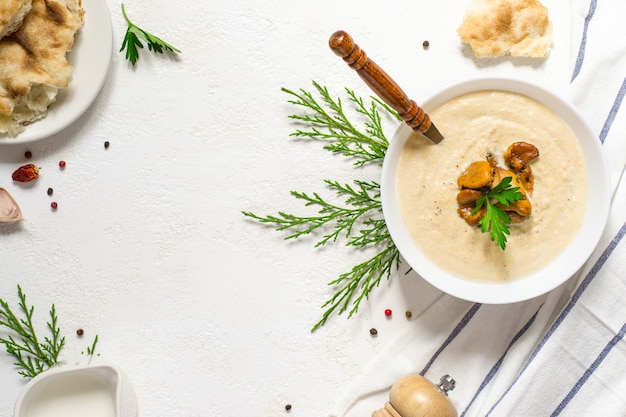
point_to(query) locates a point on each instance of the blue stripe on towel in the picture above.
(576, 296)
(583, 42)
(579, 384)
(614, 109)
(466, 319)
(497, 365)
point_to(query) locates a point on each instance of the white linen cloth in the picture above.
(562, 354)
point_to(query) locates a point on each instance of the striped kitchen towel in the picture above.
(562, 354)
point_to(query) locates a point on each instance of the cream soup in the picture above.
(475, 124)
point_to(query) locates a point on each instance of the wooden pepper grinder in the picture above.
(415, 396)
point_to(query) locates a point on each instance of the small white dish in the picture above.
(557, 271)
(91, 58)
(78, 391)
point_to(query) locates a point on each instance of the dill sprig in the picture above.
(31, 354)
(358, 220)
(132, 41)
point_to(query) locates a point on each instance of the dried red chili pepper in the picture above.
(26, 173)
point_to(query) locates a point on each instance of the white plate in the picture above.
(90, 57)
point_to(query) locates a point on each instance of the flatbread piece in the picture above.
(12, 13)
(494, 28)
(33, 64)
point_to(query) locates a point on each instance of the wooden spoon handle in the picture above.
(379, 81)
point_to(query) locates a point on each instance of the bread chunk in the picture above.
(12, 13)
(494, 28)
(33, 63)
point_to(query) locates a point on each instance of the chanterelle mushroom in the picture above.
(478, 175)
(465, 211)
(520, 154)
(468, 196)
(526, 177)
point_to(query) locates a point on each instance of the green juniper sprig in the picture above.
(91, 350)
(359, 202)
(31, 354)
(359, 220)
(132, 41)
(329, 122)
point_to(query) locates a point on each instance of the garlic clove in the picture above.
(9, 210)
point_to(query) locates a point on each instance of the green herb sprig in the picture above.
(496, 221)
(91, 350)
(359, 219)
(31, 354)
(132, 41)
(329, 122)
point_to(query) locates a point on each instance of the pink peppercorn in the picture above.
(62, 164)
(54, 205)
(388, 312)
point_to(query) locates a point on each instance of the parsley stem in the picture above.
(126, 16)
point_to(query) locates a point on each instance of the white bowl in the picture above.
(565, 265)
(73, 391)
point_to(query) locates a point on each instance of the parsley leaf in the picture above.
(496, 221)
(132, 41)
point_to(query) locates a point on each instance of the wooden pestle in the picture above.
(383, 85)
(415, 396)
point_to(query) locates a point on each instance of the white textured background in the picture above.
(207, 312)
